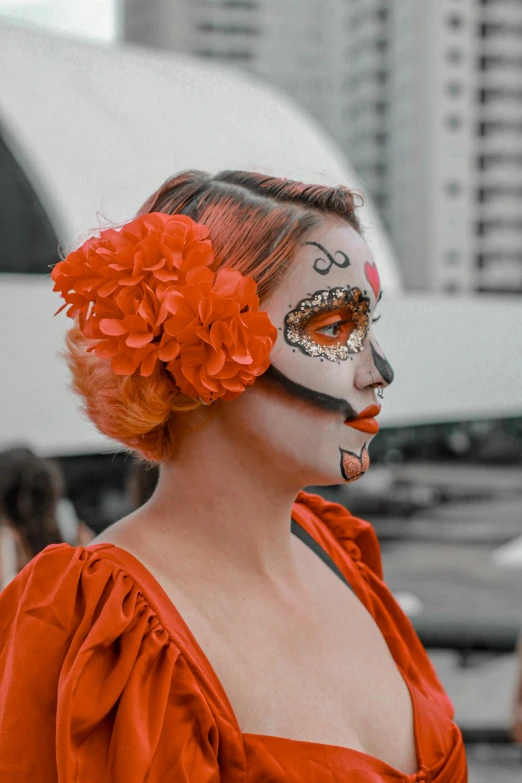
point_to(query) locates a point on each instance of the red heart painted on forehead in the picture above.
(372, 275)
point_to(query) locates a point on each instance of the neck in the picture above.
(224, 495)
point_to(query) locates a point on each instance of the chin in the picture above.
(354, 464)
(350, 467)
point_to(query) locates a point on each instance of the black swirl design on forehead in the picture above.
(323, 265)
(297, 320)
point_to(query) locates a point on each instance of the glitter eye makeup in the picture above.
(332, 323)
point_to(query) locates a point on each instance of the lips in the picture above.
(365, 421)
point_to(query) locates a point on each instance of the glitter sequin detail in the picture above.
(323, 301)
(353, 466)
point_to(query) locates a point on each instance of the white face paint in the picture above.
(323, 366)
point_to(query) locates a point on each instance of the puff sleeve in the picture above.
(92, 688)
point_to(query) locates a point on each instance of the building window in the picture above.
(498, 29)
(227, 29)
(490, 94)
(454, 56)
(451, 286)
(245, 5)
(454, 89)
(499, 126)
(499, 159)
(453, 121)
(455, 21)
(230, 55)
(453, 188)
(451, 257)
(485, 195)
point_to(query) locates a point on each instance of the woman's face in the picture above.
(326, 364)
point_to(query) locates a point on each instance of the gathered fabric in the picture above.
(101, 679)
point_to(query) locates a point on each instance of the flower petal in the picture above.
(233, 384)
(149, 362)
(227, 280)
(200, 276)
(112, 327)
(168, 350)
(138, 340)
(123, 364)
(215, 362)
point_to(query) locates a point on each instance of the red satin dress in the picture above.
(101, 681)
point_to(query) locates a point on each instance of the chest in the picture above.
(312, 667)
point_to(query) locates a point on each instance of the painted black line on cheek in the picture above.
(319, 400)
(383, 366)
(323, 270)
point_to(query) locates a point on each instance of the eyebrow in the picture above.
(378, 299)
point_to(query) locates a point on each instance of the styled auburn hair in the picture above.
(256, 223)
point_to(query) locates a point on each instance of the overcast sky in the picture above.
(94, 19)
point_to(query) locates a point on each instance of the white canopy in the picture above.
(98, 128)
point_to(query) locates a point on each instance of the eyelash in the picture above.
(323, 329)
(338, 324)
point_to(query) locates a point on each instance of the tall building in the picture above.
(425, 97)
(293, 44)
(435, 103)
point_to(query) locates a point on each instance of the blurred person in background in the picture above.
(33, 511)
(234, 627)
(30, 488)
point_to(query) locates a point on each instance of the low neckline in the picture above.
(184, 631)
(410, 777)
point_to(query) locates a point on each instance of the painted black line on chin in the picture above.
(383, 366)
(319, 400)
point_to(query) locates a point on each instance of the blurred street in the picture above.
(446, 562)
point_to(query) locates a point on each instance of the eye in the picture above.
(374, 320)
(331, 323)
(331, 328)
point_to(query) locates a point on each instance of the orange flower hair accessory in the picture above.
(146, 294)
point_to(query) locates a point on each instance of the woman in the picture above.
(225, 631)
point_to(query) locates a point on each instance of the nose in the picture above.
(373, 369)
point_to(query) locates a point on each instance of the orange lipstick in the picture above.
(365, 421)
